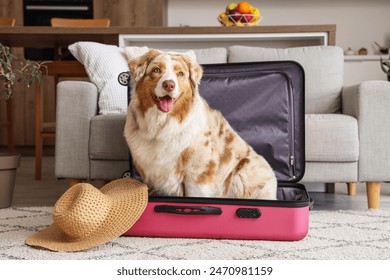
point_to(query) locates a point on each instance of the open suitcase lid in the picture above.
(264, 104)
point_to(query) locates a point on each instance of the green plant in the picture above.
(385, 65)
(11, 72)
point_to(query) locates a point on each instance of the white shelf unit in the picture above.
(187, 41)
(364, 57)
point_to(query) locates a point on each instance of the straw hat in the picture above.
(85, 216)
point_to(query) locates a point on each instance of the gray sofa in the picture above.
(347, 128)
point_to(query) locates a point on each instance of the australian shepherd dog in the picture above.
(181, 146)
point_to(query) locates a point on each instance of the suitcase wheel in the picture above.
(127, 174)
(124, 78)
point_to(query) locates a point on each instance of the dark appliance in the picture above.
(39, 13)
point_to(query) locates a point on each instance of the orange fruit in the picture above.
(244, 7)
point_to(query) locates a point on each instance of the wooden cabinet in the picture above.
(132, 12)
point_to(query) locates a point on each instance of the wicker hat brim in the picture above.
(130, 199)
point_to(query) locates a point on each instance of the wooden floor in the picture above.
(29, 192)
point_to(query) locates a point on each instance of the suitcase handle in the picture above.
(188, 210)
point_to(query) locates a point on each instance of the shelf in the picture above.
(137, 39)
(203, 37)
(365, 57)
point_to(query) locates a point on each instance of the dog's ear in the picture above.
(195, 70)
(138, 65)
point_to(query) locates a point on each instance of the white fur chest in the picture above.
(156, 141)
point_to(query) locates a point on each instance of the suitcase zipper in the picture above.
(292, 129)
(292, 160)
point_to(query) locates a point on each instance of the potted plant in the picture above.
(27, 70)
(385, 65)
(11, 73)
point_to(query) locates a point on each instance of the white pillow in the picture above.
(103, 63)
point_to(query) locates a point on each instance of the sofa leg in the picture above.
(72, 182)
(330, 187)
(373, 194)
(352, 188)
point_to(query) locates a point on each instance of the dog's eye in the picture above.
(180, 74)
(156, 70)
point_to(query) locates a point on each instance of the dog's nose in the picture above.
(169, 85)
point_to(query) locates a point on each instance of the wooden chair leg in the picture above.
(38, 158)
(373, 194)
(10, 128)
(38, 130)
(352, 187)
(72, 182)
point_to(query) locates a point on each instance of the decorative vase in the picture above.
(9, 162)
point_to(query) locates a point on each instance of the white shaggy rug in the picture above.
(350, 235)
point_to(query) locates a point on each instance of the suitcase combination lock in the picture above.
(249, 213)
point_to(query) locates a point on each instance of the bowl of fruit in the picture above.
(240, 14)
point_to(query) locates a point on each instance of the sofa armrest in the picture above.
(369, 102)
(77, 103)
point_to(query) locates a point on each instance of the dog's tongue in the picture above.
(166, 103)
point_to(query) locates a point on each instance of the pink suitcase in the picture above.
(264, 103)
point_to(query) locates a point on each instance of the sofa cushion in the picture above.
(106, 140)
(202, 56)
(330, 172)
(331, 138)
(133, 52)
(210, 55)
(323, 66)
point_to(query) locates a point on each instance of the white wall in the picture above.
(359, 22)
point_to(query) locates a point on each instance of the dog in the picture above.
(181, 146)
